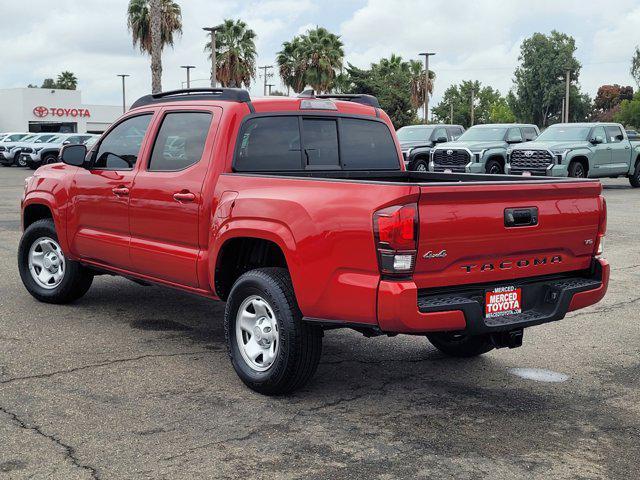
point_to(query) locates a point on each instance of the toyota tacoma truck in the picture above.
(298, 213)
(481, 149)
(416, 142)
(578, 150)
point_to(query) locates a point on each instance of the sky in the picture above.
(473, 40)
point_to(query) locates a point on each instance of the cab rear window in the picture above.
(294, 143)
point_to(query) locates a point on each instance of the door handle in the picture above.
(120, 191)
(184, 197)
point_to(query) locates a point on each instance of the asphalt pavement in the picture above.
(134, 382)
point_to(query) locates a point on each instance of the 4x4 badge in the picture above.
(430, 254)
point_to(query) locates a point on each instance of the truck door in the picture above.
(166, 198)
(601, 153)
(98, 221)
(620, 150)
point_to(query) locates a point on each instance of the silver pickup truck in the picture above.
(578, 150)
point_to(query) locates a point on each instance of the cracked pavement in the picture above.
(134, 382)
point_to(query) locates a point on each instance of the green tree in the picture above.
(49, 83)
(460, 97)
(500, 112)
(139, 24)
(67, 81)
(235, 54)
(635, 66)
(629, 112)
(607, 101)
(313, 59)
(539, 83)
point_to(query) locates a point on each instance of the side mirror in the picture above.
(73, 155)
(514, 140)
(597, 140)
(441, 140)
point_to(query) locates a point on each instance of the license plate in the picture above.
(503, 301)
(448, 170)
(526, 174)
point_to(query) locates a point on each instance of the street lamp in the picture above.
(124, 103)
(214, 74)
(426, 56)
(188, 69)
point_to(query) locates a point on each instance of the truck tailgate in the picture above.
(464, 237)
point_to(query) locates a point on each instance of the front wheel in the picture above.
(459, 344)
(577, 170)
(47, 275)
(494, 167)
(420, 166)
(271, 349)
(49, 158)
(634, 179)
(21, 161)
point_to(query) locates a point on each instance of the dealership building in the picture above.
(52, 110)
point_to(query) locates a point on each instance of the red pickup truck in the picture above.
(299, 214)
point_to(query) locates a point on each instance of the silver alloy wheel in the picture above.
(421, 167)
(46, 263)
(495, 170)
(257, 333)
(21, 161)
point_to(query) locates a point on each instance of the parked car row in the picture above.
(35, 149)
(579, 150)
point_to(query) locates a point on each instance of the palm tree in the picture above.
(67, 81)
(139, 23)
(291, 65)
(235, 54)
(323, 54)
(419, 86)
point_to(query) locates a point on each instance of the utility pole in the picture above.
(214, 73)
(566, 96)
(451, 113)
(472, 105)
(266, 76)
(563, 100)
(124, 98)
(188, 68)
(426, 56)
(269, 86)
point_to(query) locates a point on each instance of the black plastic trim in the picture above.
(225, 94)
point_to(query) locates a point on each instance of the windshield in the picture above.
(44, 138)
(414, 134)
(565, 134)
(484, 134)
(29, 138)
(15, 137)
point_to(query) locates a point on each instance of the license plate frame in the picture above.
(502, 301)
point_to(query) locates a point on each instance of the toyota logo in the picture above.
(528, 153)
(41, 111)
(449, 152)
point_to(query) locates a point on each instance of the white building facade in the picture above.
(52, 110)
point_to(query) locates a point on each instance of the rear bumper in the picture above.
(402, 308)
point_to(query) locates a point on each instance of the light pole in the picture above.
(472, 105)
(124, 101)
(188, 69)
(566, 96)
(214, 73)
(426, 56)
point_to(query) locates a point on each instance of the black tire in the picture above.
(76, 280)
(47, 159)
(494, 167)
(420, 166)
(634, 179)
(577, 170)
(19, 162)
(457, 344)
(300, 344)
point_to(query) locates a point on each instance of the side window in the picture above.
(367, 145)
(514, 135)
(529, 133)
(439, 133)
(599, 132)
(268, 144)
(320, 138)
(614, 134)
(180, 141)
(455, 132)
(119, 150)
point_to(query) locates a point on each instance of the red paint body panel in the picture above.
(323, 227)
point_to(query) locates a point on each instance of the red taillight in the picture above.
(396, 234)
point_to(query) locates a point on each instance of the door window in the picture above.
(529, 133)
(455, 132)
(514, 135)
(599, 132)
(269, 144)
(614, 134)
(119, 150)
(439, 133)
(321, 143)
(180, 141)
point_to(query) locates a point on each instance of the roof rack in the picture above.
(362, 99)
(228, 94)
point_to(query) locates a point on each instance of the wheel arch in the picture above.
(583, 159)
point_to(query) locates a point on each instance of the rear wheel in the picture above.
(494, 167)
(46, 273)
(577, 170)
(459, 344)
(271, 349)
(420, 166)
(634, 179)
